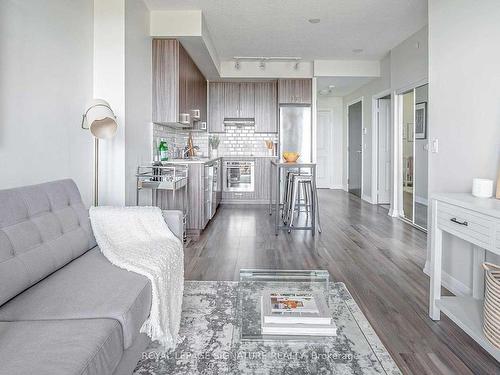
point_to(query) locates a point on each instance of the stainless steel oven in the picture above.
(239, 175)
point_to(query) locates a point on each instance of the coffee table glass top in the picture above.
(253, 283)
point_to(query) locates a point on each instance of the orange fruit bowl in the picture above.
(290, 157)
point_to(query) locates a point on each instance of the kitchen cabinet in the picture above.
(295, 91)
(179, 87)
(247, 100)
(239, 100)
(231, 100)
(262, 183)
(266, 107)
(216, 107)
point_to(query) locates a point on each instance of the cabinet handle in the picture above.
(465, 223)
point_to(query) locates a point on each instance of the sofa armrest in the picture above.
(174, 220)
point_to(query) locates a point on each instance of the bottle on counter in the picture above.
(163, 150)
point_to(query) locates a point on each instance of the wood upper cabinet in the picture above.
(178, 85)
(165, 74)
(216, 107)
(239, 100)
(231, 100)
(247, 100)
(266, 107)
(295, 91)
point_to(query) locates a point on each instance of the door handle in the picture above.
(454, 219)
(359, 151)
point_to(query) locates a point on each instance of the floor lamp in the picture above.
(100, 119)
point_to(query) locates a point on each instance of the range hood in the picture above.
(239, 121)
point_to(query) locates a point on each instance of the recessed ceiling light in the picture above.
(331, 86)
(314, 20)
(357, 50)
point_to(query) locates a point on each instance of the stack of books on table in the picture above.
(297, 314)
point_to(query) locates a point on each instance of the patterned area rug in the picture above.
(211, 341)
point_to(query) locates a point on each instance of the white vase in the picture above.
(215, 153)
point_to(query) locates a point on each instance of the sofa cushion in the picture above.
(42, 228)
(88, 287)
(60, 347)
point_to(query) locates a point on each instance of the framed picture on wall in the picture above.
(421, 120)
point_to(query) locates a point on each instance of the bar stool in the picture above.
(287, 195)
(305, 183)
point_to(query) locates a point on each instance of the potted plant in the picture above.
(214, 141)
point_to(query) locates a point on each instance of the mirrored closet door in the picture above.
(414, 154)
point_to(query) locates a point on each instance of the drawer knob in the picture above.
(459, 222)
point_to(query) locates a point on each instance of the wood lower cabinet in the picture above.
(295, 91)
(196, 197)
(262, 176)
(266, 107)
(216, 107)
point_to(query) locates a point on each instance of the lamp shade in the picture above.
(100, 119)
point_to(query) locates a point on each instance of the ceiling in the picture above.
(343, 85)
(281, 27)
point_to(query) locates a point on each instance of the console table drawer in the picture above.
(469, 225)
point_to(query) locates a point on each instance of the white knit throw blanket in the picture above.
(138, 239)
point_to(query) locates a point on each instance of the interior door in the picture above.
(384, 151)
(355, 148)
(324, 149)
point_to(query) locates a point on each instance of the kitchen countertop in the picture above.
(209, 160)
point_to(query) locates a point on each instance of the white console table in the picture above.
(477, 221)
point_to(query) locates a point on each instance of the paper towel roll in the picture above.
(482, 188)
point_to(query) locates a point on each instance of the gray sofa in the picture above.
(64, 308)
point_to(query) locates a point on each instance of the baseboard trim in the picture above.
(366, 198)
(458, 288)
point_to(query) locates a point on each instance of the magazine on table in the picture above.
(284, 324)
(295, 308)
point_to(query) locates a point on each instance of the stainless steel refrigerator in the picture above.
(296, 131)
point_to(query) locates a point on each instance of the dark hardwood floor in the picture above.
(379, 258)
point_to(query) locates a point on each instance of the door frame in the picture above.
(375, 133)
(359, 99)
(330, 111)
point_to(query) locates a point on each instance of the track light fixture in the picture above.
(263, 59)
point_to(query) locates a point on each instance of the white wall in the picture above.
(138, 129)
(464, 105)
(45, 81)
(335, 104)
(404, 66)
(122, 75)
(109, 84)
(410, 61)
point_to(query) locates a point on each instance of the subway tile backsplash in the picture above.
(238, 140)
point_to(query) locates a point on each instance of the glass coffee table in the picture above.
(253, 283)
